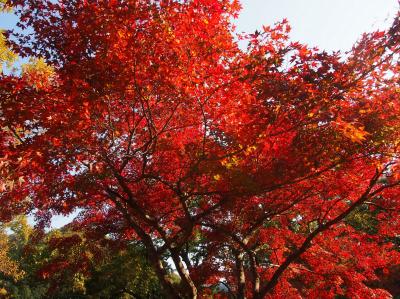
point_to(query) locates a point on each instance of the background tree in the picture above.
(10, 272)
(246, 167)
(83, 268)
(17, 235)
(64, 264)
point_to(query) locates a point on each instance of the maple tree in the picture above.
(271, 170)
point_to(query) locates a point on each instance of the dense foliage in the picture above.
(62, 264)
(272, 171)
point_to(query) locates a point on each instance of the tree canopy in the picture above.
(272, 171)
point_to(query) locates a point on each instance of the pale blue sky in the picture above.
(329, 25)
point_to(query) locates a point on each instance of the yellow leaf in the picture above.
(217, 177)
(230, 162)
(250, 149)
(355, 134)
